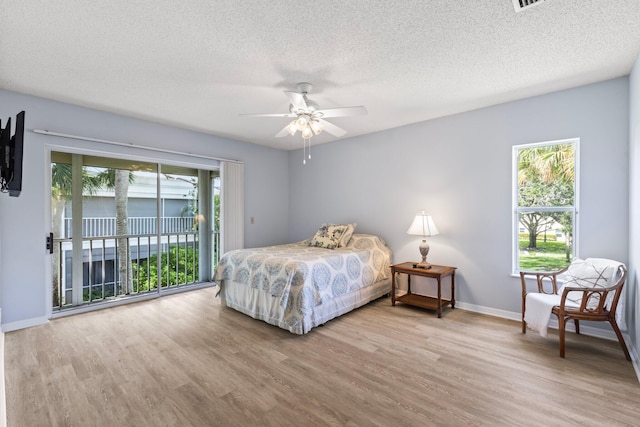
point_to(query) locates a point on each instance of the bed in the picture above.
(302, 285)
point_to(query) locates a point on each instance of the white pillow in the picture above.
(584, 274)
(351, 228)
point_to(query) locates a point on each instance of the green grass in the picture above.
(548, 256)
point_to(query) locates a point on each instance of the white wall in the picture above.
(24, 221)
(633, 291)
(459, 169)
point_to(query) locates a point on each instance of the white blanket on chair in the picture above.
(537, 313)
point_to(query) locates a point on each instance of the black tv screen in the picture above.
(15, 185)
(5, 156)
(11, 149)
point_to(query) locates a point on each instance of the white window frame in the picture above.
(517, 209)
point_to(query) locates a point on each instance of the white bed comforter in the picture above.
(302, 277)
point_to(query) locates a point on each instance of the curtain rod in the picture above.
(128, 144)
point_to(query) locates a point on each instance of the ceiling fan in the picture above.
(309, 119)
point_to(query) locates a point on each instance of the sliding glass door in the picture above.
(124, 228)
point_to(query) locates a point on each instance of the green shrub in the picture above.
(178, 266)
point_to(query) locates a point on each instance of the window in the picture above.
(545, 205)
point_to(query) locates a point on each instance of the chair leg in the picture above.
(577, 323)
(561, 331)
(524, 324)
(620, 339)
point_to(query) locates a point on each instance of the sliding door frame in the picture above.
(205, 168)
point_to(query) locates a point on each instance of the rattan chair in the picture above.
(577, 303)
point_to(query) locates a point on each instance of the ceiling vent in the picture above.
(521, 5)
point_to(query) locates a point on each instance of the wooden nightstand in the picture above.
(436, 272)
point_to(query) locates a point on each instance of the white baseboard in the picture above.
(27, 323)
(490, 311)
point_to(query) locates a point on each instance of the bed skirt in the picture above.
(263, 306)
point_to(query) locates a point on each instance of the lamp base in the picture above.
(424, 251)
(422, 264)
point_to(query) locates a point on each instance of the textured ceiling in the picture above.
(198, 64)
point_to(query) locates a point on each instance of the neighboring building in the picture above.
(176, 209)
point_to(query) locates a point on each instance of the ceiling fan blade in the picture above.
(270, 115)
(297, 100)
(283, 132)
(343, 112)
(331, 128)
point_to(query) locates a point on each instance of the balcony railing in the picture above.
(106, 226)
(171, 260)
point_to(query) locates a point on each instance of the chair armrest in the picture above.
(542, 277)
(587, 295)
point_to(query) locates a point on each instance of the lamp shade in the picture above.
(292, 128)
(316, 126)
(307, 132)
(423, 225)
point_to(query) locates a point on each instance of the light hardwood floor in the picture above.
(186, 360)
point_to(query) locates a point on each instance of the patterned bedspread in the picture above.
(302, 277)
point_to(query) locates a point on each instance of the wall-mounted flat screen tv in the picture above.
(11, 149)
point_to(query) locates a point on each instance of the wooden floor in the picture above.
(185, 360)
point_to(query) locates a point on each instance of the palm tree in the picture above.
(119, 180)
(548, 163)
(121, 187)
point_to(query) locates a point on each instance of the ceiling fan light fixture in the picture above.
(302, 122)
(309, 119)
(316, 127)
(307, 132)
(292, 128)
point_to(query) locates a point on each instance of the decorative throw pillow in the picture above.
(346, 237)
(328, 236)
(584, 274)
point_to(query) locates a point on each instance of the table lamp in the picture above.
(424, 226)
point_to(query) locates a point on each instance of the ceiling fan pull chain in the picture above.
(304, 151)
(306, 147)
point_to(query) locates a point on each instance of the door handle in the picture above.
(50, 243)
